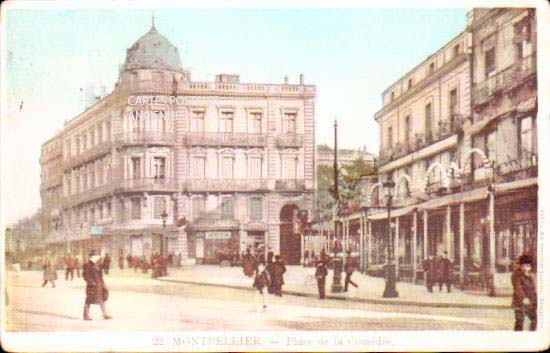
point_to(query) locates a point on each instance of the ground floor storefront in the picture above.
(483, 232)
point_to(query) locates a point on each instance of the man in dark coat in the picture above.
(445, 272)
(69, 267)
(524, 299)
(349, 267)
(249, 264)
(106, 263)
(96, 291)
(278, 269)
(321, 274)
(129, 260)
(429, 272)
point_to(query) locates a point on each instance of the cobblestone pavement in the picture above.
(139, 303)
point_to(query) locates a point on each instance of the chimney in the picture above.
(301, 79)
(286, 79)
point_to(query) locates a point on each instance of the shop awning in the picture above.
(398, 212)
(453, 199)
(516, 185)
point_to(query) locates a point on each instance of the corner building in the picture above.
(165, 164)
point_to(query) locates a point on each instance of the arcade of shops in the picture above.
(482, 230)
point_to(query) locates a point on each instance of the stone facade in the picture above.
(167, 164)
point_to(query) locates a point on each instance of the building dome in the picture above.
(153, 51)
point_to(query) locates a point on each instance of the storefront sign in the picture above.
(218, 235)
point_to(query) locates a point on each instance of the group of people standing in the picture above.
(438, 271)
(157, 262)
(268, 278)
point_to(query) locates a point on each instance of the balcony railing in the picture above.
(289, 140)
(146, 184)
(167, 87)
(518, 169)
(290, 185)
(53, 181)
(444, 129)
(224, 185)
(435, 188)
(90, 154)
(146, 138)
(88, 195)
(225, 139)
(469, 182)
(505, 80)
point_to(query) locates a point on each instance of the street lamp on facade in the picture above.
(390, 290)
(164, 216)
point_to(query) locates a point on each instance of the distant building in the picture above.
(166, 164)
(325, 155)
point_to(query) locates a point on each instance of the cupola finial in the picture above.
(153, 29)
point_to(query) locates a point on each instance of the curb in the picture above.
(354, 299)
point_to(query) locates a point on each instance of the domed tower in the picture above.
(149, 56)
(145, 135)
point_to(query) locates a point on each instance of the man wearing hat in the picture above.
(524, 299)
(321, 274)
(96, 291)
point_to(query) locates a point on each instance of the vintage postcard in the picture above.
(274, 176)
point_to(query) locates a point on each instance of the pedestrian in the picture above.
(29, 265)
(121, 261)
(50, 274)
(277, 276)
(445, 272)
(155, 265)
(269, 255)
(106, 263)
(429, 272)
(524, 299)
(306, 258)
(349, 267)
(77, 266)
(321, 274)
(69, 267)
(129, 260)
(96, 291)
(249, 264)
(163, 266)
(136, 262)
(262, 281)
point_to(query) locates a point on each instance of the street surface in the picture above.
(139, 303)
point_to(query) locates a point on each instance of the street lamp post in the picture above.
(390, 291)
(164, 216)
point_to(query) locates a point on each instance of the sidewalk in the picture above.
(300, 281)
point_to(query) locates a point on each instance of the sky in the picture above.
(351, 55)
